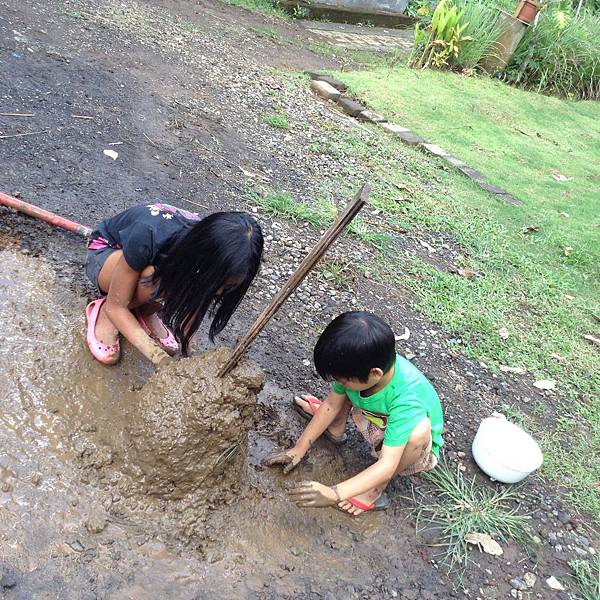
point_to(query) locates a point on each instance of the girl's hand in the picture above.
(162, 360)
(312, 494)
(290, 458)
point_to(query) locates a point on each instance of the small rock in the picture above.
(563, 517)
(529, 579)
(95, 521)
(324, 89)
(554, 584)
(518, 583)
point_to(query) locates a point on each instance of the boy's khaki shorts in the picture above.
(374, 435)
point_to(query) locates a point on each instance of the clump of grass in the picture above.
(465, 507)
(278, 121)
(587, 573)
(281, 204)
(266, 7)
(338, 272)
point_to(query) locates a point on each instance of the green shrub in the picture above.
(456, 34)
(560, 53)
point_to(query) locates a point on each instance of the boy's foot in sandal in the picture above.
(360, 504)
(158, 331)
(101, 336)
(306, 406)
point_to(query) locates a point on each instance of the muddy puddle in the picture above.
(100, 496)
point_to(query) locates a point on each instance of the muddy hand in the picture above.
(163, 360)
(312, 494)
(288, 458)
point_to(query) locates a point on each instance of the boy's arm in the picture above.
(315, 494)
(322, 419)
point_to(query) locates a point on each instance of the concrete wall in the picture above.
(363, 6)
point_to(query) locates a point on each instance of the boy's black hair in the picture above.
(221, 248)
(353, 344)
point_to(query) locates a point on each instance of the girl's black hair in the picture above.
(222, 249)
(353, 344)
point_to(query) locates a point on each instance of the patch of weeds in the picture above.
(337, 272)
(265, 7)
(281, 204)
(587, 573)
(384, 242)
(278, 121)
(465, 507)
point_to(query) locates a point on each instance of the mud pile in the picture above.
(188, 430)
(175, 448)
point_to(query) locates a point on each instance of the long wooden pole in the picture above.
(329, 237)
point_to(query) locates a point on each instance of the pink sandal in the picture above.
(168, 343)
(107, 354)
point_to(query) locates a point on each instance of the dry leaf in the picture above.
(567, 250)
(545, 384)
(485, 543)
(503, 333)
(565, 215)
(560, 177)
(516, 370)
(569, 297)
(593, 339)
(558, 357)
(111, 154)
(404, 336)
(530, 229)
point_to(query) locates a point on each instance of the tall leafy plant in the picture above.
(438, 44)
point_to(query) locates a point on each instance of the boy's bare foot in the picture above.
(367, 499)
(337, 428)
(105, 330)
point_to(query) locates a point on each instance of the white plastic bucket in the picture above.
(504, 451)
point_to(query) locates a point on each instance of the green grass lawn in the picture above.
(542, 286)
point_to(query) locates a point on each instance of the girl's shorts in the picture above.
(374, 435)
(94, 262)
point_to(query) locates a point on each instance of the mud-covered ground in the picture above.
(179, 89)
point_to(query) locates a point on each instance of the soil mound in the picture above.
(190, 427)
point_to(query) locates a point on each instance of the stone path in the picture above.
(354, 37)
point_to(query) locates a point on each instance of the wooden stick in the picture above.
(311, 259)
(4, 114)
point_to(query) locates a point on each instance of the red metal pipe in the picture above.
(44, 215)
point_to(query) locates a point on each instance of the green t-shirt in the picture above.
(401, 405)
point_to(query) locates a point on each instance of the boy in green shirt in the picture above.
(393, 406)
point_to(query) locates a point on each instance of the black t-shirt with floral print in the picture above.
(143, 232)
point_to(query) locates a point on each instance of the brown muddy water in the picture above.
(120, 483)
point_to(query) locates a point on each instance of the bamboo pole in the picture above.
(44, 215)
(311, 259)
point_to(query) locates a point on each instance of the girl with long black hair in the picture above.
(157, 259)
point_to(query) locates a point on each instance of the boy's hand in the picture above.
(290, 458)
(312, 494)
